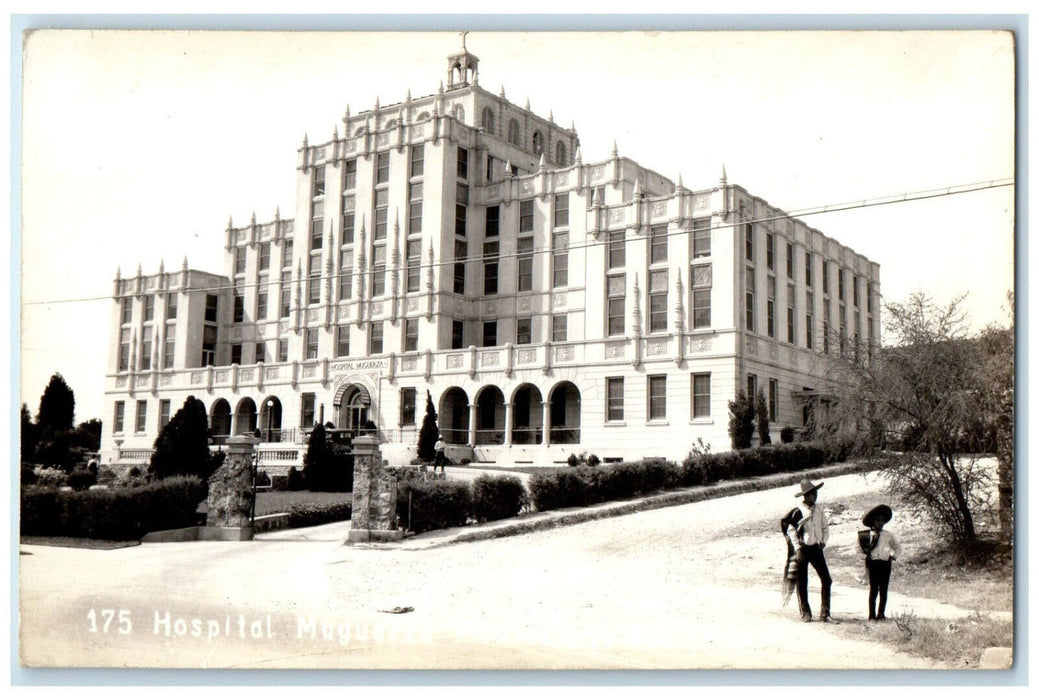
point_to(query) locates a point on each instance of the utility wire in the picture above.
(799, 213)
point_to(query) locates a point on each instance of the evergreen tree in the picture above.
(318, 460)
(57, 407)
(182, 447)
(761, 412)
(429, 432)
(741, 421)
(29, 435)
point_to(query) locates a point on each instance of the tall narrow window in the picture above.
(375, 339)
(492, 221)
(283, 350)
(750, 298)
(286, 256)
(342, 341)
(461, 210)
(773, 399)
(808, 269)
(146, 349)
(840, 283)
(460, 255)
(701, 296)
(164, 413)
(149, 309)
(286, 299)
(265, 256)
(752, 385)
(142, 417)
(615, 291)
(790, 261)
(526, 216)
(615, 398)
(701, 238)
(702, 395)
(770, 251)
(490, 267)
(311, 342)
(791, 328)
(407, 405)
(346, 274)
(261, 305)
(349, 217)
(260, 351)
(559, 328)
(561, 211)
(350, 174)
(379, 271)
(382, 168)
(657, 391)
(119, 418)
(463, 164)
(239, 308)
(418, 160)
(317, 226)
(826, 277)
(616, 250)
(414, 265)
(749, 237)
(855, 291)
(382, 203)
(524, 332)
(307, 413)
(809, 307)
(490, 333)
(658, 244)
(525, 264)
(319, 181)
(457, 335)
(770, 306)
(168, 357)
(411, 335)
(560, 259)
(239, 260)
(657, 301)
(414, 208)
(126, 311)
(314, 278)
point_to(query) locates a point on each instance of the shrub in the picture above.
(295, 480)
(262, 478)
(593, 460)
(761, 413)
(82, 479)
(741, 421)
(573, 460)
(279, 483)
(307, 514)
(433, 504)
(786, 435)
(112, 514)
(497, 497)
(182, 446)
(47, 477)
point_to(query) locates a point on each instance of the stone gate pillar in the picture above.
(231, 493)
(374, 514)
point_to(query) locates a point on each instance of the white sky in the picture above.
(138, 146)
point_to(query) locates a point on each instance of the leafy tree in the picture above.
(929, 390)
(88, 435)
(30, 435)
(741, 421)
(182, 446)
(761, 412)
(429, 432)
(57, 407)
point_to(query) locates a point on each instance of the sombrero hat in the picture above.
(807, 487)
(881, 513)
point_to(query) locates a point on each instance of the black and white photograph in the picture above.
(471, 349)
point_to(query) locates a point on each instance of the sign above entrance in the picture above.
(359, 365)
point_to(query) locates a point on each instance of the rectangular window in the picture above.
(317, 226)
(657, 390)
(164, 413)
(749, 236)
(559, 328)
(311, 340)
(411, 335)
(790, 261)
(855, 291)
(306, 414)
(752, 385)
(239, 308)
(142, 417)
(236, 354)
(120, 415)
(461, 215)
(342, 341)
(791, 329)
(414, 208)
(702, 395)
(615, 398)
(382, 168)
(560, 260)
(319, 181)
(657, 301)
(808, 269)
(770, 251)
(350, 174)
(809, 308)
(561, 211)
(314, 278)
(492, 221)
(524, 334)
(457, 335)
(261, 305)
(211, 306)
(658, 244)
(490, 267)
(770, 307)
(414, 265)
(382, 203)
(168, 350)
(490, 168)
(146, 351)
(418, 160)
(701, 238)
(615, 290)
(283, 350)
(149, 309)
(349, 217)
(461, 251)
(701, 296)
(209, 334)
(463, 164)
(286, 299)
(379, 271)
(525, 264)
(346, 274)
(826, 277)
(616, 249)
(127, 311)
(261, 352)
(286, 255)
(773, 399)
(265, 256)
(490, 333)
(840, 283)
(239, 260)
(750, 298)
(407, 405)
(375, 339)
(869, 297)
(526, 216)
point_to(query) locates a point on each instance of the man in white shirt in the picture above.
(812, 533)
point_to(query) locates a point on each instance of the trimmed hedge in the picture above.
(587, 485)
(497, 497)
(307, 514)
(112, 514)
(434, 504)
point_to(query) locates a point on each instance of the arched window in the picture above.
(514, 135)
(487, 120)
(537, 143)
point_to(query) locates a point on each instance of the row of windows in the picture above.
(656, 397)
(140, 416)
(773, 394)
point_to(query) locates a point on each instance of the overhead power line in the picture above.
(794, 214)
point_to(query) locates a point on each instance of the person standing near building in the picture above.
(810, 538)
(882, 549)
(440, 458)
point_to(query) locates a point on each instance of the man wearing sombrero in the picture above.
(811, 535)
(881, 549)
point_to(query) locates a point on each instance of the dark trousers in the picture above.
(813, 554)
(879, 577)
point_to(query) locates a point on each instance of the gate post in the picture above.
(373, 517)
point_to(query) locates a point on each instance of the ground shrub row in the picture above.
(588, 485)
(111, 514)
(307, 514)
(424, 505)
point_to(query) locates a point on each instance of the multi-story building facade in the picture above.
(457, 244)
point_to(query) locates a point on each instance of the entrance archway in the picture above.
(454, 416)
(355, 410)
(245, 417)
(565, 414)
(220, 421)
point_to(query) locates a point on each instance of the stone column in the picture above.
(508, 424)
(231, 493)
(374, 513)
(546, 420)
(472, 425)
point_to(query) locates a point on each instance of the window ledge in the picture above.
(615, 424)
(658, 421)
(701, 421)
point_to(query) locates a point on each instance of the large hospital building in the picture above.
(458, 244)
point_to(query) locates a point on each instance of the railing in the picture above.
(493, 436)
(455, 437)
(135, 456)
(564, 436)
(526, 436)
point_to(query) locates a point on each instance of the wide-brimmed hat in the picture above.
(807, 487)
(881, 514)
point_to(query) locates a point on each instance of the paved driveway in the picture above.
(693, 586)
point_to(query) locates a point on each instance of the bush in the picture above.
(786, 435)
(497, 497)
(182, 446)
(295, 480)
(741, 421)
(82, 479)
(573, 460)
(112, 514)
(47, 477)
(307, 514)
(593, 460)
(433, 504)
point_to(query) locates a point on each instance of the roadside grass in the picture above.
(268, 502)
